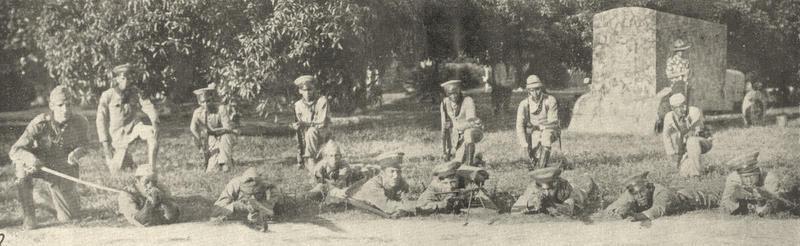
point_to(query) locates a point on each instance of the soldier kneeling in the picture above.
(145, 202)
(247, 198)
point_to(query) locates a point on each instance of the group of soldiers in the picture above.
(54, 142)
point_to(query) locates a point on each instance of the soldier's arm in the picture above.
(666, 135)
(731, 194)
(102, 118)
(79, 150)
(21, 152)
(195, 124)
(228, 195)
(622, 207)
(552, 113)
(443, 116)
(522, 120)
(429, 201)
(321, 117)
(149, 109)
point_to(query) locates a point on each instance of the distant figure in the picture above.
(685, 136)
(57, 140)
(537, 124)
(750, 190)
(553, 195)
(247, 198)
(678, 70)
(118, 124)
(214, 130)
(313, 119)
(754, 105)
(461, 128)
(645, 201)
(145, 202)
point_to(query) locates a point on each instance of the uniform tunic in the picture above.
(386, 199)
(541, 118)
(316, 114)
(734, 197)
(679, 138)
(219, 148)
(565, 194)
(457, 115)
(50, 142)
(118, 121)
(664, 201)
(139, 210)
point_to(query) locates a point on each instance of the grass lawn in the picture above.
(408, 127)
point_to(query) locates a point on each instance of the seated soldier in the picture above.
(644, 201)
(247, 198)
(384, 192)
(551, 194)
(331, 172)
(145, 202)
(447, 192)
(750, 190)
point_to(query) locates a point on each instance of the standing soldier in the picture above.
(750, 190)
(118, 123)
(754, 105)
(537, 123)
(214, 130)
(147, 203)
(553, 195)
(385, 191)
(247, 198)
(458, 113)
(644, 201)
(685, 136)
(56, 140)
(312, 121)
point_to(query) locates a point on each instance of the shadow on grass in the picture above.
(194, 208)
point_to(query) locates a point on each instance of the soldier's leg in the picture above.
(227, 143)
(170, 211)
(215, 159)
(64, 194)
(546, 141)
(148, 134)
(535, 145)
(25, 196)
(692, 165)
(314, 139)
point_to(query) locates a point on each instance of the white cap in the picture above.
(677, 99)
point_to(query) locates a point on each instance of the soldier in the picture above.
(750, 190)
(685, 136)
(553, 195)
(147, 203)
(247, 198)
(312, 121)
(677, 70)
(448, 193)
(214, 130)
(331, 172)
(644, 201)
(754, 105)
(56, 140)
(386, 190)
(537, 123)
(118, 124)
(458, 112)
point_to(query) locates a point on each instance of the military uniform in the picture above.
(246, 198)
(561, 198)
(331, 173)
(461, 117)
(441, 196)
(660, 200)
(677, 69)
(537, 124)
(374, 191)
(762, 197)
(218, 129)
(147, 206)
(313, 120)
(118, 123)
(686, 138)
(46, 142)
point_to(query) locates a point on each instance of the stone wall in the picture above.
(630, 49)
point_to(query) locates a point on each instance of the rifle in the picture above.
(300, 143)
(446, 145)
(367, 208)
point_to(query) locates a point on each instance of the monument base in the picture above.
(602, 113)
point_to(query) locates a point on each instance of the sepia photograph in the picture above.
(399, 122)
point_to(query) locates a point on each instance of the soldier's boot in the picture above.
(469, 154)
(544, 159)
(25, 193)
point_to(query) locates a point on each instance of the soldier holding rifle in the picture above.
(214, 130)
(750, 190)
(537, 123)
(461, 129)
(313, 119)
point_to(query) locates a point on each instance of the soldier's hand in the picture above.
(639, 217)
(295, 125)
(76, 154)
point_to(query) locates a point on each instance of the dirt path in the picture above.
(682, 230)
